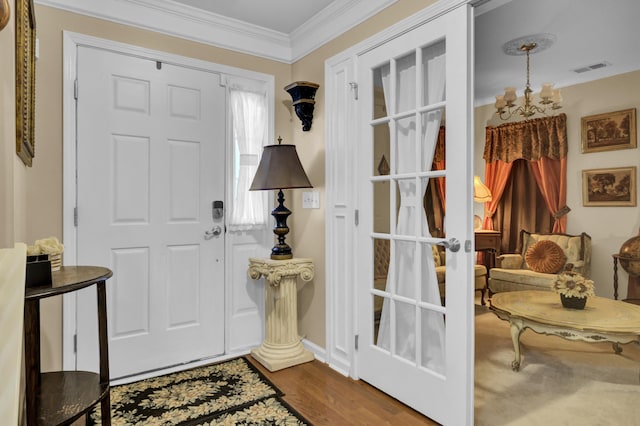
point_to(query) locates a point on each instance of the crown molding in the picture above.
(183, 21)
(334, 20)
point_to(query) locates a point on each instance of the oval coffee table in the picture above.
(602, 319)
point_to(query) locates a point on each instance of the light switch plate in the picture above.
(311, 200)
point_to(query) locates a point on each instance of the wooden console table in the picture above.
(489, 241)
(282, 346)
(62, 397)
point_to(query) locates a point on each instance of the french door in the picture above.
(151, 157)
(416, 337)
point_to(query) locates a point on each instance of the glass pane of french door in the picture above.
(414, 312)
(407, 300)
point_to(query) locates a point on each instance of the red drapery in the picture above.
(439, 163)
(542, 142)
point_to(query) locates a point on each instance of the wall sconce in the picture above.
(303, 94)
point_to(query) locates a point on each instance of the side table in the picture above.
(282, 346)
(489, 241)
(62, 397)
(634, 281)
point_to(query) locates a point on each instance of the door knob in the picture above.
(214, 232)
(452, 244)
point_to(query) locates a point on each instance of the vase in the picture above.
(573, 302)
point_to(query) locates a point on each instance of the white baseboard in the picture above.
(318, 352)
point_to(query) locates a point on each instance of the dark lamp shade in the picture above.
(280, 168)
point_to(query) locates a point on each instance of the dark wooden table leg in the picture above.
(32, 358)
(105, 405)
(615, 277)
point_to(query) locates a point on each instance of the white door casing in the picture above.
(150, 164)
(243, 306)
(446, 395)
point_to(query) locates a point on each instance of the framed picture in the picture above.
(25, 79)
(610, 131)
(609, 187)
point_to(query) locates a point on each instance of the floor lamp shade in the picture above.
(280, 168)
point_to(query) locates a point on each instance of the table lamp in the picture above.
(481, 194)
(280, 169)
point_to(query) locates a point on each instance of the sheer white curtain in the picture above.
(249, 123)
(405, 264)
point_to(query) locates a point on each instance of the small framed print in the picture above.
(609, 187)
(609, 131)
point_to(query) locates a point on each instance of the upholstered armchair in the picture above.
(540, 259)
(381, 269)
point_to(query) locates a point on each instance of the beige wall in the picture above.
(11, 167)
(609, 227)
(44, 180)
(43, 202)
(7, 132)
(308, 224)
(41, 205)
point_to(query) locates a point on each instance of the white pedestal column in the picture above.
(282, 345)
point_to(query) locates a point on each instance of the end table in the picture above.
(282, 346)
(62, 397)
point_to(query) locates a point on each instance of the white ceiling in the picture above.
(282, 30)
(278, 15)
(587, 31)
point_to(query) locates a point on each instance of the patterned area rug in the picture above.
(230, 393)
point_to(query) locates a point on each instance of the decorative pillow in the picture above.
(545, 256)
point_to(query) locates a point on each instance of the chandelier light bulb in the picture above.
(547, 92)
(557, 97)
(510, 96)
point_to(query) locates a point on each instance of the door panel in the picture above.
(150, 163)
(418, 344)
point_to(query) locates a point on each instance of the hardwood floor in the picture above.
(325, 397)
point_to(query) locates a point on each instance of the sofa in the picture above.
(381, 269)
(547, 255)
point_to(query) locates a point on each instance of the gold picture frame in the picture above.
(609, 187)
(25, 80)
(609, 131)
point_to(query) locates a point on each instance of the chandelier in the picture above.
(550, 99)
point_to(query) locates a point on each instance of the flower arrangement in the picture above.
(572, 284)
(49, 246)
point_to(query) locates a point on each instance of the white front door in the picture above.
(413, 344)
(150, 165)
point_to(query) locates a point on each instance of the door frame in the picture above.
(341, 212)
(71, 42)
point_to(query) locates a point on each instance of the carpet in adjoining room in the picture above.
(560, 382)
(232, 393)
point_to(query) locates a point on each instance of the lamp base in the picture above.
(276, 256)
(281, 251)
